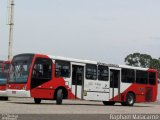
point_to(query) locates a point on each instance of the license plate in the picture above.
(13, 92)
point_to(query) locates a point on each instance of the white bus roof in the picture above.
(131, 67)
(94, 62)
(72, 59)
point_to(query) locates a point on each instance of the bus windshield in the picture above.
(3, 78)
(19, 69)
(3, 72)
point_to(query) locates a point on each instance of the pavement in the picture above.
(27, 106)
(26, 109)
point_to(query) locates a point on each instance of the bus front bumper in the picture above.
(18, 93)
(3, 93)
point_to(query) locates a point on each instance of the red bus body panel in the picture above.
(143, 92)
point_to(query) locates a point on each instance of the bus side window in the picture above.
(91, 71)
(141, 77)
(103, 73)
(62, 68)
(128, 75)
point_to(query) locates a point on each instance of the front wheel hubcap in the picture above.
(130, 99)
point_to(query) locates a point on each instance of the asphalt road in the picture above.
(27, 106)
(70, 109)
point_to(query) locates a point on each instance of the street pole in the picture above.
(10, 23)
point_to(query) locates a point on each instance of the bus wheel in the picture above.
(130, 99)
(59, 97)
(108, 102)
(37, 100)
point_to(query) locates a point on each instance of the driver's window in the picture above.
(42, 69)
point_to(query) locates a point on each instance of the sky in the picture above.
(100, 30)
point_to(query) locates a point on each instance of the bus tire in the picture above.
(108, 102)
(59, 97)
(130, 99)
(37, 100)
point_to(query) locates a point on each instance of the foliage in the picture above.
(138, 60)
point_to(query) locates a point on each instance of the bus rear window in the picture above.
(152, 78)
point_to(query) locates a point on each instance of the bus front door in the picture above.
(115, 78)
(77, 81)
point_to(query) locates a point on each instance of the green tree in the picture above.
(138, 60)
(155, 64)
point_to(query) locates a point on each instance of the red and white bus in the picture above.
(45, 77)
(4, 67)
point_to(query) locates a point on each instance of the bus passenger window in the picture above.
(102, 73)
(62, 68)
(128, 75)
(91, 72)
(141, 77)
